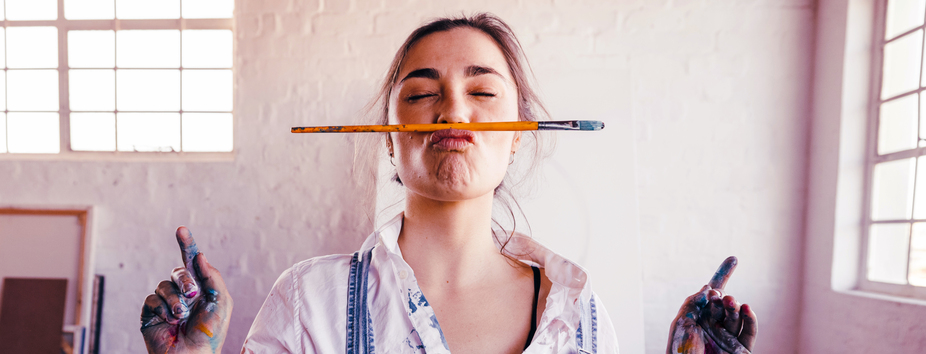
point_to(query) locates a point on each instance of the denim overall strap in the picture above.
(359, 323)
(587, 334)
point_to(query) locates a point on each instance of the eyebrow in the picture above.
(427, 73)
(476, 70)
(469, 71)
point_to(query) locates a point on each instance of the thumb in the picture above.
(214, 307)
(210, 279)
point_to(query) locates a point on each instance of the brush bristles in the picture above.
(591, 125)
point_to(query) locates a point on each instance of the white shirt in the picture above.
(306, 311)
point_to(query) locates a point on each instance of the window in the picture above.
(895, 256)
(116, 75)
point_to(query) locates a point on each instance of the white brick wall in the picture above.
(707, 108)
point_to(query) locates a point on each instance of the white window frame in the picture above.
(872, 158)
(64, 113)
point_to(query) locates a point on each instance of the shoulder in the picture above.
(315, 275)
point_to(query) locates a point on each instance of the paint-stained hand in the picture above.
(190, 313)
(711, 322)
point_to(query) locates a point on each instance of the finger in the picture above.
(732, 321)
(750, 326)
(171, 296)
(702, 297)
(153, 312)
(723, 273)
(184, 281)
(716, 309)
(188, 247)
(726, 341)
(215, 304)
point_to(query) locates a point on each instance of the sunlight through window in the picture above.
(148, 90)
(152, 86)
(208, 8)
(896, 236)
(89, 9)
(148, 49)
(31, 47)
(2, 132)
(92, 49)
(32, 132)
(207, 49)
(92, 90)
(93, 131)
(26, 10)
(32, 90)
(148, 131)
(147, 9)
(207, 132)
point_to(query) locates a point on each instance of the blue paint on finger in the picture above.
(719, 280)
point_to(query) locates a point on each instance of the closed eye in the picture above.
(413, 98)
(483, 94)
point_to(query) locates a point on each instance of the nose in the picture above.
(454, 109)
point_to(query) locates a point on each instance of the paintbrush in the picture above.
(493, 126)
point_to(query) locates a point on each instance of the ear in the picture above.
(516, 143)
(389, 143)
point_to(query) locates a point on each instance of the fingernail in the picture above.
(189, 289)
(179, 309)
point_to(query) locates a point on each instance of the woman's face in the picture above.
(455, 76)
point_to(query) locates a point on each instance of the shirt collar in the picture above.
(559, 270)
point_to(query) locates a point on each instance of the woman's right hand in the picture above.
(190, 312)
(713, 322)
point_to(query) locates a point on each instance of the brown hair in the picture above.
(530, 108)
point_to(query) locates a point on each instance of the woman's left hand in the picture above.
(711, 322)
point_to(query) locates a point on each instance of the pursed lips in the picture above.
(452, 139)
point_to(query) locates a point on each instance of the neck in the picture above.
(448, 243)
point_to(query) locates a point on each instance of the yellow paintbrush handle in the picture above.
(495, 126)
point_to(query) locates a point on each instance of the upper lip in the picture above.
(452, 134)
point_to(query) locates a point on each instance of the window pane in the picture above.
(903, 15)
(892, 190)
(93, 131)
(32, 90)
(207, 49)
(89, 9)
(919, 202)
(148, 131)
(897, 125)
(2, 90)
(92, 90)
(33, 132)
(922, 118)
(2, 132)
(148, 90)
(18, 10)
(208, 8)
(887, 253)
(901, 65)
(2, 45)
(92, 49)
(128, 9)
(917, 275)
(32, 47)
(148, 49)
(207, 132)
(207, 90)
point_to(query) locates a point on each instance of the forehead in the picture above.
(455, 49)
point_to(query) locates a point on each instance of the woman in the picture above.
(436, 277)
